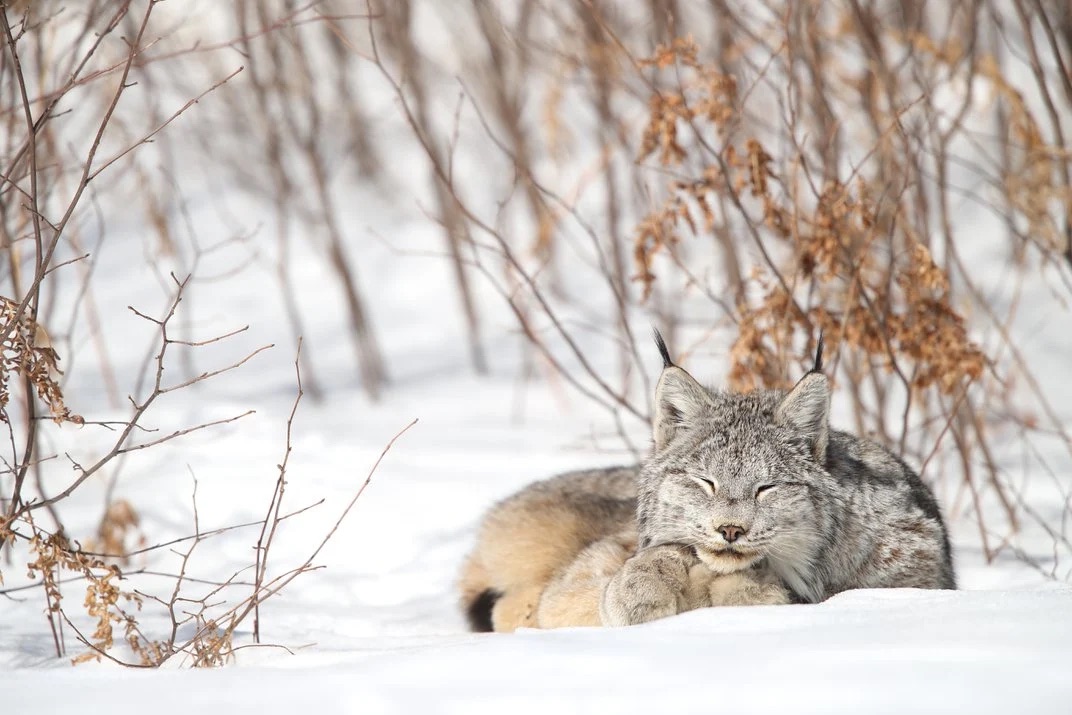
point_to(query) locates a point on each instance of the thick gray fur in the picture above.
(760, 482)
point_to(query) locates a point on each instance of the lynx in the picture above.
(744, 499)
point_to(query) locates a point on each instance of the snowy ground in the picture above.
(875, 652)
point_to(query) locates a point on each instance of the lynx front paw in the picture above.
(754, 587)
(651, 585)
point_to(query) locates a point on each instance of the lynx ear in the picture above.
(679, 399)
(806, 410)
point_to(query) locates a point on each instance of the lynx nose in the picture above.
(730, 532)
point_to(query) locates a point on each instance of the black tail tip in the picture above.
(661, 344)
(479, 611)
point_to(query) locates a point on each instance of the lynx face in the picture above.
(735, 488)
(737, 477)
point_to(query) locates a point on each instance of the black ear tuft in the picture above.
(819, 354)
(661, 344)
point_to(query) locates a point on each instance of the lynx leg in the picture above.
(515, 609)
(527, 539)
(572, 597)
(756, 586)
(653, 584)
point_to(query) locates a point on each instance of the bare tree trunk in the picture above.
(397, 24)
(282, 192)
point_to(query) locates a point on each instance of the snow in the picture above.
(377, 628)
(889, 651)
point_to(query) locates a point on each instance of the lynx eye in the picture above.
(708, 485)
(763, 489)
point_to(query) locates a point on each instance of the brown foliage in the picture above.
(805, 167)
(27, 351)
